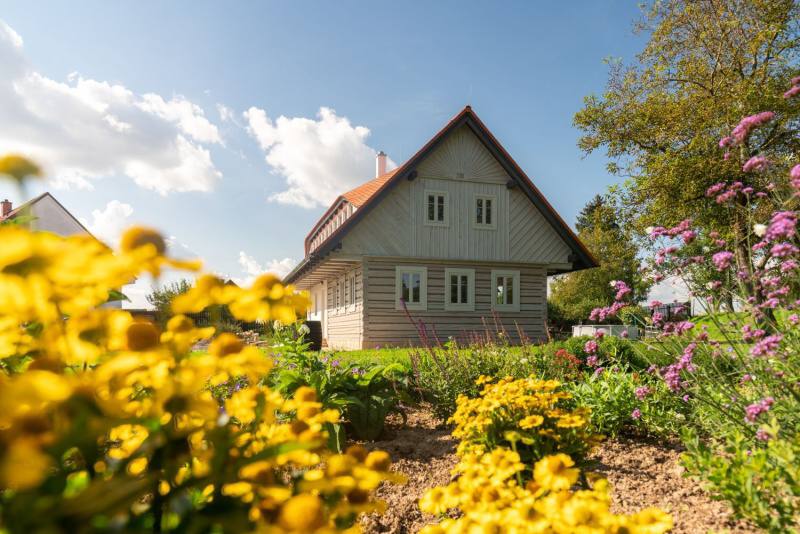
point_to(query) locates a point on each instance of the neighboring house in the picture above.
(47, 215)
(457, 237)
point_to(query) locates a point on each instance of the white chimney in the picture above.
(380, 164)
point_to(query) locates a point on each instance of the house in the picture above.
(46, 214)
(457, 238)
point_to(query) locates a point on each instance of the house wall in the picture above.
(345, 323)
(461, 167)
(384, 325)
(50, 217)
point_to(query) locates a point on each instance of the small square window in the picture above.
(459, 289)
(485, 212)
(505, 290)
(411, 288)
(436, 206)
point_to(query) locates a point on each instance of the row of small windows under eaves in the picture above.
(411, 289)
(437, 210)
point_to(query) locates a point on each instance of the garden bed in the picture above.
(642, 474)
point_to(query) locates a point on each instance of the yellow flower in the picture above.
(137, 466)
(18, 167)
(570, 421)
(23, 465)
(555, 472)
(302, 513)
(531, 421)
(140, 236)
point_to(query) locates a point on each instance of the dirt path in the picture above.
(641, 475)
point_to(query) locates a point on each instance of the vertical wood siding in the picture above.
(385, 326)
(346, 324)
(463, 168)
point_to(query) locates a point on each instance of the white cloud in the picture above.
(108, 224)
(319, 158)
(252, 268)
(85, 129)
(226, 114)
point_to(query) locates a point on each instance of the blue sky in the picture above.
(166, 111)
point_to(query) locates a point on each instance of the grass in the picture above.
(372, 356)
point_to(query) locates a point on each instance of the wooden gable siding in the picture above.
(384, 325)
(346, 323)
(462, 168)
(530, 236)
(462, 156)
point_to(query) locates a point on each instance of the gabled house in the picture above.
(46, 215)
(457, 237)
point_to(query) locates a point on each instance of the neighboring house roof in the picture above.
(26, 205)
(372, 192)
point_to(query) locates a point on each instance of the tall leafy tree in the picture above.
(574, 295)
(707, 64)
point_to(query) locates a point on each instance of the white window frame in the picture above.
(352, 294)
(480, 225)
(340, 294)
(446, 211)
(459, 306)
(422, 305)
(515, 275)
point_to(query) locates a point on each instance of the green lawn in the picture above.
(368, 356)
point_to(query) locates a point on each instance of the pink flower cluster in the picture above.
(783, 225)
(794, 90)
(600, 314)
(722, 260)
(747, 125)
(757, 408)
(794, 177)
(642, 392)
(756, 163)
(767, 346)
(590, 347)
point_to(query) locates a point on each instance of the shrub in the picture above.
(364, 395)
(442, 374)
(620, 399)
(527, 415)
(762, 484)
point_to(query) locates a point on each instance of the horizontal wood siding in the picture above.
(386, 326)
(346, 323)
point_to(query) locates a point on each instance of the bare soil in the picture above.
(642, 474)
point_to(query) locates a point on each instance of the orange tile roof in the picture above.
(361, 194)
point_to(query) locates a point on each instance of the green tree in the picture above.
(161, 298)
(574, 295)
(707, 64)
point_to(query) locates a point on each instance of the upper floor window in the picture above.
(411, 288)
(436, 204)
(505, 289)
(459, 289)
(485, 211)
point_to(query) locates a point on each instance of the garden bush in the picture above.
(108, 424)
(621, 399)
(527, 415)
(364, 395)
